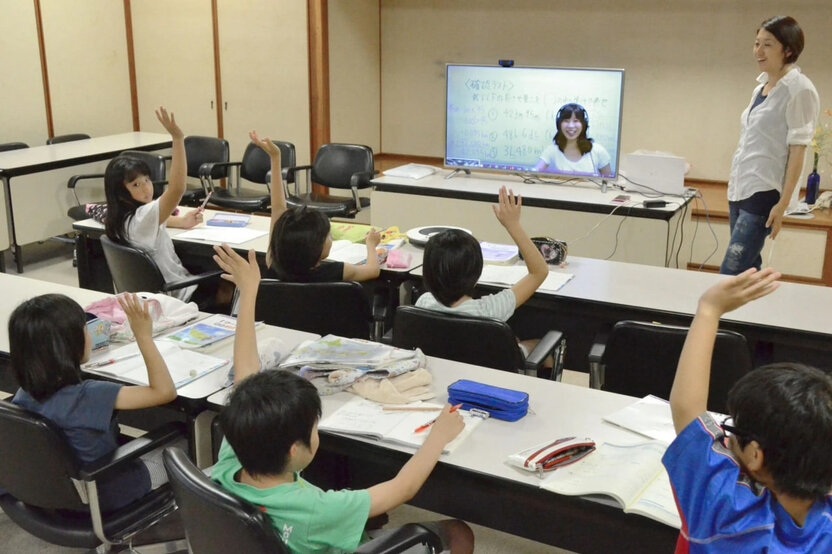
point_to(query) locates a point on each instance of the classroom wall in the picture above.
(689, 64)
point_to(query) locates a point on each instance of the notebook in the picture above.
(184, 365)
(631, 474)
(510, 275)
(348, 252)
(205, 332)
(364, 418)
(649, 417)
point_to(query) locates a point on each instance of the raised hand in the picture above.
(509, 207)
(243, 273)
(137, 314)
(373, 238)
(266, 144)
(732, 292)
(168, 121)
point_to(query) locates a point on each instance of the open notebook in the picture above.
(509, 275)
(631, 474)
(347, 251)
(367, 419)
(128, 365)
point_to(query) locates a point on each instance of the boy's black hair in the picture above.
(297, 241)
(566, 112)
(452, 265)
(120, 205)
(267, 413)
(786, 30)
(46, 344)
(787, 409)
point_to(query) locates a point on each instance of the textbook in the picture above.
(223, 219)
(510, 275)
(205, 332)
(631, 474)
(127, 364)
(364, 418)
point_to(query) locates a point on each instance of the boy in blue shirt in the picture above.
(760, 481)
(271, 434)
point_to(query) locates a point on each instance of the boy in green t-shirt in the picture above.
(271, 430)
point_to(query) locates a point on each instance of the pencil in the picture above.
(421, 428)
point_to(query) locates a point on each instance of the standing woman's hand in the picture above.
(775, 219)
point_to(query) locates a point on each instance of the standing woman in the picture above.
(776, 127)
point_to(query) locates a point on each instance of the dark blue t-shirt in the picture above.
(85, 413)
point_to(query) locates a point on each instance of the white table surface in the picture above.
(793, 306)
(577, 191)
(15, 162)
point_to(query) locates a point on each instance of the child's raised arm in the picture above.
(689, 395)
(160, 388)
(278, 195)
(404, 486)
(508, 213)
(246, 275)
(178, 166)
(368, 270)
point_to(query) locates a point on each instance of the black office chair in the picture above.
(339, 308)
(134, 270)
(203, 150)
(217, 521)
(640, 358)
(52, 495)
(339, 166)
(475, 340)
(254, 167)
(67, 138)
(7, 146)
(158, 172)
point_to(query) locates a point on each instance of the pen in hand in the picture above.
(421, 428)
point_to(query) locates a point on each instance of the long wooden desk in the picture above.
(793, 324)
(34, 181)
(94, 274)
(569, 212)
(475, 484)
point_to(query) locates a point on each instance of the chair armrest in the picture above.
(140, 446)
(195, 280)
(362, 178)
(70, 184)
(400, 539)
(298, 168)
(207, 168)
(288, 174)
(595, 358)
(544, 347)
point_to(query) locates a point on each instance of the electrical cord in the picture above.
(708, 221)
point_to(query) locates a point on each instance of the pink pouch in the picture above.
(398, 259)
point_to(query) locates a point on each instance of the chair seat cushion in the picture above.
(328, 204)
(74, 529)
(246, 202)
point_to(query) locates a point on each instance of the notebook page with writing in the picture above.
(347, 252)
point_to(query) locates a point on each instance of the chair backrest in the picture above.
(156, 163)
(6, 146)
(67, 138)
(132, 268)
(255, 164)
(335, 164)
(641, 358)
(340, 308)
(216, 520)
(37, 461)
(473, 340)
(200, 150)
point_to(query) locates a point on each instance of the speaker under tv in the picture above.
(538, 121)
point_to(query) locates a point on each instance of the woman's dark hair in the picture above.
(46, 344)
(786, 30)
(566, 112)
(787, 409)
(297, 241)
(452, 265)
(120, 205)
(266, 414)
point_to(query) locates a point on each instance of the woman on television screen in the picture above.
(571, 151)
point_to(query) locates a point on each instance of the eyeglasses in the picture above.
(728, 429)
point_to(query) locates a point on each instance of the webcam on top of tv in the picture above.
(506, 63)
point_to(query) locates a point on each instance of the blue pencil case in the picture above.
(505, 404)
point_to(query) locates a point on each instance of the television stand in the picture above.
(453, 173)
(603, 186)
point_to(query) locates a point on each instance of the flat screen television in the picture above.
(506, 119)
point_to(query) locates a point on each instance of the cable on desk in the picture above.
(588, 233)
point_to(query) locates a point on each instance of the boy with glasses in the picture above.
(761, 481)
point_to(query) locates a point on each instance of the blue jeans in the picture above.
(748, 234)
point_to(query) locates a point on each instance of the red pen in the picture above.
(421, 428)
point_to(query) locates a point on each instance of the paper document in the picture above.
(510, 275)
(228, 235)
(650, 417)
(184, 365)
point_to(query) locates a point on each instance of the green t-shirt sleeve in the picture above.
(339, 520)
